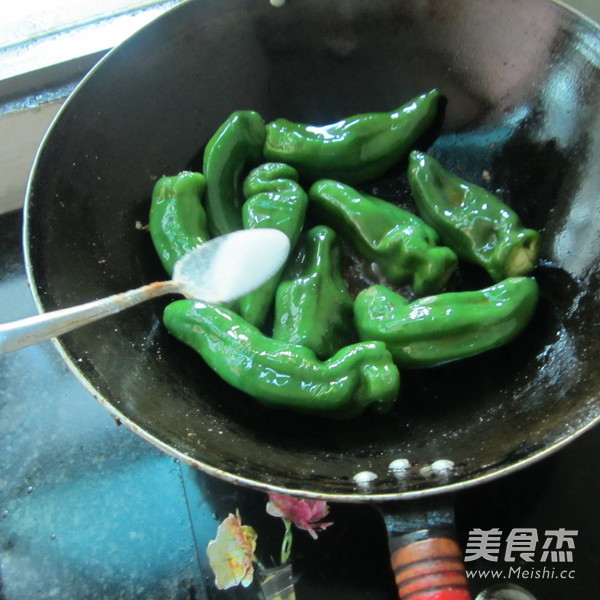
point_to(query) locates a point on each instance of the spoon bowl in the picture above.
(232, 265)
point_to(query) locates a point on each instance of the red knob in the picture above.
(429, 569)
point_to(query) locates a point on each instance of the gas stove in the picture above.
(90, 511)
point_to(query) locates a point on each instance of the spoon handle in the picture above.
(33, 330)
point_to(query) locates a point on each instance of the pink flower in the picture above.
(231, 554)
(303, 513)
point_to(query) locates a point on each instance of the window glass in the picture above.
(35, 34)
(28, 19)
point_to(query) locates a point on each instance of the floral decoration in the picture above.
(232, 553)
(301, 512)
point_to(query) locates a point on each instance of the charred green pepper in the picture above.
(475, 223)
(177, 218)
(284, 375)
(355, 149)
(235, 147)
(439, 329)
(313, 306)
(274, 199)
(399, 242)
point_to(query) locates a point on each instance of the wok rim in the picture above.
(492, 473)
(355, 498)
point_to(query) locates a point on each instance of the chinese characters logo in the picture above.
(526, 544)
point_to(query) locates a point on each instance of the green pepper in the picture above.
(475, 223)
(177, 218)
(313, 306)
(284, 375)
(438, 329)
(400, 243)
(236, 146)
(355, 149)
(274, 199)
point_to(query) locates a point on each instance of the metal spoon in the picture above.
(218, 271)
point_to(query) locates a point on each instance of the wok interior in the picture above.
(521, 82)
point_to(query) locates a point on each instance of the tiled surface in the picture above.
(80, 516)
(89, 511)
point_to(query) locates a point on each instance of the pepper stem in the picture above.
(523, 257)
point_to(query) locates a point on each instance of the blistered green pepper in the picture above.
(399, 242)
(355, 149)
(177, 218)
(438, 329)
(475, 223)
(313, 306)
(235, 147)
(284, 375)
(274, 199)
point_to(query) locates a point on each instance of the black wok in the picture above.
(522, 83)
